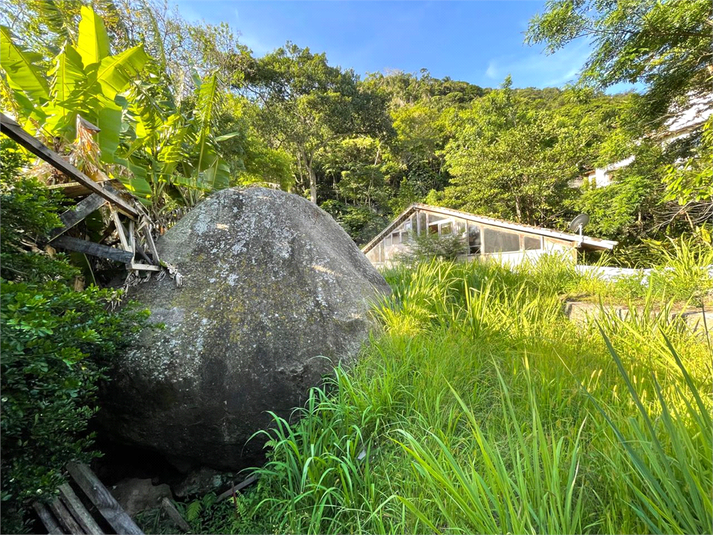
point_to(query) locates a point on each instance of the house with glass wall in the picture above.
(482, 237)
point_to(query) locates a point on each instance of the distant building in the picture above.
(482, 236)
(681, 123)
(602, 176)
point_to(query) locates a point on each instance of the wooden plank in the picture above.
(94, 249)
(64, 516)
(103, 500)
(79, 512)
(47, 519)
(78, 213)
(14, 131)
(132, 238)
(75, 189)
(237, 488)
(121, 231)
(144, 267)
(174, 515)
(152, 245)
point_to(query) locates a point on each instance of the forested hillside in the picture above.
(194, 110)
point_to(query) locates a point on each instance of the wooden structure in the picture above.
(70, 512)
(100, 195)
(482, 236)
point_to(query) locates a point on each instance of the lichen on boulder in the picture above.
(274, 294)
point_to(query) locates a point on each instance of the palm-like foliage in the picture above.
(159, 150)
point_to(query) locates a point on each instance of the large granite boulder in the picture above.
(274, 294)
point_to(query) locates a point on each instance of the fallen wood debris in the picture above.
(68, 514)
(237, 488)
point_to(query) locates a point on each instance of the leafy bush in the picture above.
(56, 344)
(429, 246)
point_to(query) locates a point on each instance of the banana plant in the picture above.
(84, 79)
(161, 151)
(177, 146)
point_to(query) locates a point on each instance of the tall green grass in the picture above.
(478, 407)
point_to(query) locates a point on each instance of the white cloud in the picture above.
(534, 68)
(492, 71)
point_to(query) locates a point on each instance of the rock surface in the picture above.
(136, 495)
(274, 293)
(202, 481)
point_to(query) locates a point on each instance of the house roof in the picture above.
(586, 242)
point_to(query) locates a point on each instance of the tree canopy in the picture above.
(666, 45)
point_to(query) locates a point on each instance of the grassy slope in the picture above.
(480, 408)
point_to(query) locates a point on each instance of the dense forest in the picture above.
(185, 109)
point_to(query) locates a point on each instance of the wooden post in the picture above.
(132, 238)
(120, 230)
(152, 245)
(103, 500)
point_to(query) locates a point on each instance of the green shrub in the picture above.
(429, 246)
(56, 344)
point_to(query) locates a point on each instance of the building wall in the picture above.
(480, 240)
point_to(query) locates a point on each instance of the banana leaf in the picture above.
(22, 74)
(93, 42)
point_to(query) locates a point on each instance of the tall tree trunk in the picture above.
(312, 183)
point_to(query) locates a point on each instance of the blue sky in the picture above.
(477, 41)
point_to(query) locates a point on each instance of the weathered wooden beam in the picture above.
(152, 245)
(237, 488)
(75, 189)
(94, 249)
(132, 238)
(78, 213)
(15, 132)
(47, 519)
(174, 515)
(144, 267)
(79, 512)
(103, 500)
(65, 518)
(121, 231)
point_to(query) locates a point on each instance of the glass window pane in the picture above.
(473, 239)
(497, 241)
(533, 243)
(421, 227)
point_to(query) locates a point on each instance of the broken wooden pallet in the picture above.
(68, 514)
(101, 194)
